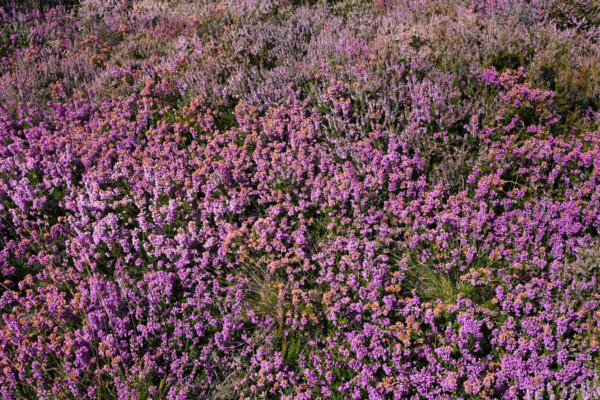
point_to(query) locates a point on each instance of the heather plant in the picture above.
(299, 199)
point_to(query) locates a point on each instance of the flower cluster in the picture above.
(269, 199)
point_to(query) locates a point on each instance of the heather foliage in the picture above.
(300, 199)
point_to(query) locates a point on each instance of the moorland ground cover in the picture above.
(300, 199)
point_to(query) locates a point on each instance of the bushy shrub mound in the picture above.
(253, 199)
